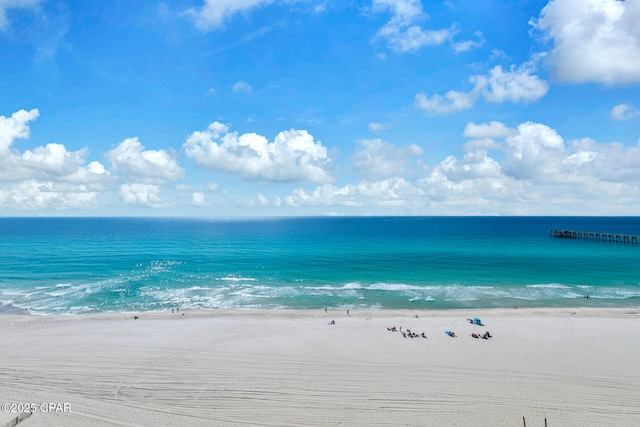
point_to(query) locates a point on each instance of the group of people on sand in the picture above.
(485, 336)
(407, 333)
(476, 321)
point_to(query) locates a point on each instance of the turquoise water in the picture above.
(88, 265)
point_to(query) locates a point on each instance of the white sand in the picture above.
(574, 367)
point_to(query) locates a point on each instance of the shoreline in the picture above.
(570, 365)
(320, 313)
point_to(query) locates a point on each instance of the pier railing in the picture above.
(592, 235)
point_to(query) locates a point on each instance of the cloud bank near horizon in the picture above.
(525, 169)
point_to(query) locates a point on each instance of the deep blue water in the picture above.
(82, 265)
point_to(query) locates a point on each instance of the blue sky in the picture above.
(225, 108)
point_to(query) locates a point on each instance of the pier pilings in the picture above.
(594, 235)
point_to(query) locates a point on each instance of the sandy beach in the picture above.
(572, 366)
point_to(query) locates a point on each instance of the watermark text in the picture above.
(49, 407)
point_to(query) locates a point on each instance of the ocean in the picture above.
(96, 265)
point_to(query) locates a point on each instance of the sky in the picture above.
(262, 108)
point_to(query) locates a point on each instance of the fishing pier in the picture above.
(591, 235)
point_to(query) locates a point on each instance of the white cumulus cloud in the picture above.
(451, 102)
(214, 13)
(623, 112)
(486, 130)
(49, 177)
(535, 152)
(50, 163)
(378, 127)
(150, 166)
(42, 195)
(467, 45)
(593, 40)
(485, 136)
(15, 127)
(145, 195)
(242, 87)
(54, 159)
(529, 169)
(292, 156)
(198, 199)
(536, 156)
(516, 85)
(392, 192)
(377, 159)
(402, 32)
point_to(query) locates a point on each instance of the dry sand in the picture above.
(574, 367)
